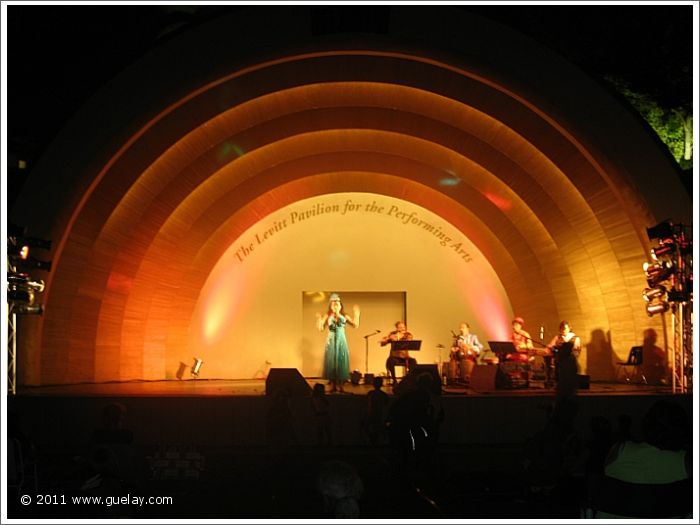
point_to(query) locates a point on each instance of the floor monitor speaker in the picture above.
(286, 379)
(483, 378)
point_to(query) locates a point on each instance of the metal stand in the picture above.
(682, 359)
(11, 351)
(367, 349)
(670, 281)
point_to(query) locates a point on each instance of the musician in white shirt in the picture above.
(565, 335)
(566, 363)
(465, 352)
(398, 357)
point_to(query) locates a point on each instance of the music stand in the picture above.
(411, 344)
(502, 349)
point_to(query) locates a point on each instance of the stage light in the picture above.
(33, 262)
(657, 308)
(14, 278)
(657, 272)
(35, 242)
(650, 294)
(18, 248)
(662, 230)
(21, 296)
(666, 249)
(27, 309)
(196, 367)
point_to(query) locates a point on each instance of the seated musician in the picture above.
(398, 357)
(465, 351)
(565, 335)
(522, 342)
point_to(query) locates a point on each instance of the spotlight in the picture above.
(18, 248)
(33, 262)
(667, 248)
(25, 309)
(14, 279)
(196, 367)
(657, 308)
(657, 272)
(36, 242)
(650, 294)
(21, 296)
(660, 231)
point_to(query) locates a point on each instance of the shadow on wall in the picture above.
(600, 356)
(654, 359)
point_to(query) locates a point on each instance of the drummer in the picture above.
(464, 353)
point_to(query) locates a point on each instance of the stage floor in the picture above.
(256, 387)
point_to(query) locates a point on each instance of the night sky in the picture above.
(54, 67)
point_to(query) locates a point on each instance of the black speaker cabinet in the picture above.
(583, 381)
(483, 378)
(289, 379)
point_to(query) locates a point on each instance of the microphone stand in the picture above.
(367, 349)
(541, 343)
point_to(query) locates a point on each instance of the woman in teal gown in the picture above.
(336, 360)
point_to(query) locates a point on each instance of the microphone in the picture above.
(378, 331)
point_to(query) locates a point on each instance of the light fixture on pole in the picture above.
(669, 275)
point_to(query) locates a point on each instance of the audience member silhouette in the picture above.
(623, 432)
(413, 425)
(111, 433)
(110, 430)
(377, 409)
(279, 424)
(598, 445)
(103, 478)
(650, 478)
(322, 415)
(567, 375)
(341, 488)
(16, 431)
(555, 456)
(654, 359)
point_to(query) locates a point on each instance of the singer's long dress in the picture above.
(336, 361)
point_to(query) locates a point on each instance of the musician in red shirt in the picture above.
(521, 340)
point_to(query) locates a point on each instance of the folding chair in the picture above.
(634, 360)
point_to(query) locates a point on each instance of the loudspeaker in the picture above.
(511, 375)
(583, 382)
(288, 379)
(355, 377)
(368, 379)
(483, 378)
(411, 380)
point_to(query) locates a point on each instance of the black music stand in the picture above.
(502, 349)
(411, 344)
